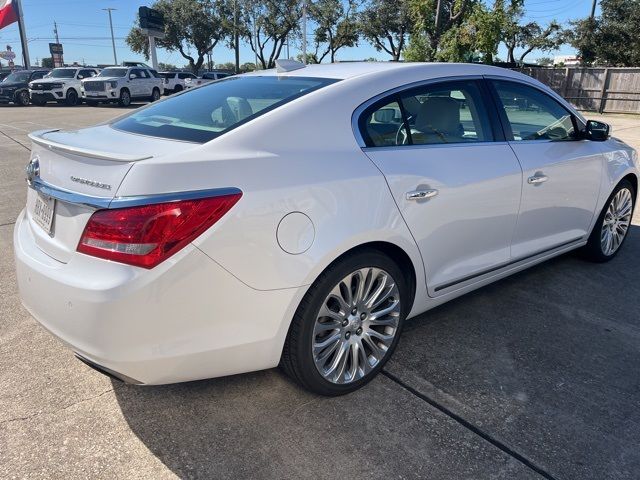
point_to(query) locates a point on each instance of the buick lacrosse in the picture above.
(297, 216)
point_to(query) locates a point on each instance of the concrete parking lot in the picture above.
(536, 376)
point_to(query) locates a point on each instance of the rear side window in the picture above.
(206, 113)
(532, 114)
(448, 112)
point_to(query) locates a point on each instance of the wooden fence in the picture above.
(601, 89)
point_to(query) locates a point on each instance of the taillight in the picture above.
(146, 235)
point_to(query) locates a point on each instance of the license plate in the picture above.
(43, 212)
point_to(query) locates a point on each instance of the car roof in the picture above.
(346, 70)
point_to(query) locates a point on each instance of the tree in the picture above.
(47, 62)
(226, 66)
(386, 25)
(266, 25)
(431, 20)
(336, 27)
(545, 61)
(189, 24)
(247, 67)
(612, 38)
(166, 67)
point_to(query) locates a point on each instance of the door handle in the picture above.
(421, 194)
(537, 179)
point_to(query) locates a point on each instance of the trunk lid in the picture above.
(80, 168)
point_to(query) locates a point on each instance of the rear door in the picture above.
(456, 182)
(561, 180)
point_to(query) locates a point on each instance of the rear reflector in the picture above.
(147, 235)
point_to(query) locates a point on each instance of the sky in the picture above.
(83, 28)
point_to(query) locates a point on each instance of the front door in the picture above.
(457, 188)
(561, 174)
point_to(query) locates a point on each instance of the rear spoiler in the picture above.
(37, 137)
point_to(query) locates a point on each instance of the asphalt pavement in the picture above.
(536, 376)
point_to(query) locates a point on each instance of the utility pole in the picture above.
(304, 32)
(23, 36)
(593, 9)
(236, 42)
(113, 40)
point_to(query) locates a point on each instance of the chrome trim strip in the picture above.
(36, 137)
(355, 116)
(67, 196)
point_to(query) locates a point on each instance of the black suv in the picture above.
(15, 87)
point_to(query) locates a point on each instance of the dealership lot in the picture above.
(533, 377)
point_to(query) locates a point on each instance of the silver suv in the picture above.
(123, 85)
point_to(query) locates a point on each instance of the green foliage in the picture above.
(47, 62)
(336, 27)
(166, 67)
(189, 24)
(386, 25)
(545, 61)
(266, 25)
(611, 39)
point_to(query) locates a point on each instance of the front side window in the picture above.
(38, 75)
(449, 112)
(532, 114)
(206, 113)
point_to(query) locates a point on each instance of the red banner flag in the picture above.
(8, 12)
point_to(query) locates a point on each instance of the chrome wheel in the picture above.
(616, 222)
(356, 325)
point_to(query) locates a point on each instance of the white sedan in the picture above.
(298, 216)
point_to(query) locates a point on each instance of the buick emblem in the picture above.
(32, 169)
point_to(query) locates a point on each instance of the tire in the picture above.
(125, 98)
(22, 98)
(177, 89)
(354, 327)
(72, 98)
(613, 223)
(155, 95)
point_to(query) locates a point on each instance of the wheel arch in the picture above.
(631, 178)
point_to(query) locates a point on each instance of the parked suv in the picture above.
(15, 87)
(122, 85)
(61, 85)
(206, 78)
(174, 81)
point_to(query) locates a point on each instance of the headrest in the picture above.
(439, 115)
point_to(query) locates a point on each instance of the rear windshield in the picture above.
(113, 72)
(205, 113)
(167, 75)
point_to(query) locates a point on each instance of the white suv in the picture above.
(122, 85)
(206, 78)
(62, 85)
(174, 82)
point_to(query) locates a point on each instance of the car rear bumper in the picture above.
(186, 319)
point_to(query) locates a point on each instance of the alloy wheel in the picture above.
(356, 325)
(616, 222)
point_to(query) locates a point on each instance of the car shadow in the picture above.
(261, 425)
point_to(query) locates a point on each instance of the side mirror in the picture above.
(132, 76)
(597, 131)
(80, 77)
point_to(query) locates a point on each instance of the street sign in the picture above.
(55, 48)
(151, 21)
(7, 55)
(56, 54)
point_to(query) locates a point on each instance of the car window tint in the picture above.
(217, 107)
(450, 112)
(384, 126)
(38, 75)
(532, 114)
(145, 74)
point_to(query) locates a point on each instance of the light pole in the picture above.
(113, 41)
(304, 31)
